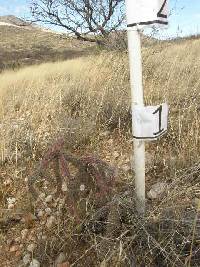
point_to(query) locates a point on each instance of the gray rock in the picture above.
(157, 190)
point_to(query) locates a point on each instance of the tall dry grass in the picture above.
(73, 98)
(81, 98)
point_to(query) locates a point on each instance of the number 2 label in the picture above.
(162, 9)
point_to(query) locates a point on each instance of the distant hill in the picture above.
(13, 20)
(24, 44)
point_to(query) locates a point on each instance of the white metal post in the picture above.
(135, 61)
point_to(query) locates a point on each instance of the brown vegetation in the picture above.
(20, 46)
(87, 100)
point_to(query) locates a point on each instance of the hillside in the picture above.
(24, 45)
(13, 20)
(85, 103)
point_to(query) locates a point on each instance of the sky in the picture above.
(184, 20)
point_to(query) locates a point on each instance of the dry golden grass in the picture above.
(47, 99)
(94, 94)
(27, 46)
(81, 98)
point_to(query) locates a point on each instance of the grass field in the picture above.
(27, 46)
(87, 100)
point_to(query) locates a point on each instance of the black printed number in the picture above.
(159, 111)
(160, 12)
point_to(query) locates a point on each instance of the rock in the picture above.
(157, 190)
(48, 211)
(49, 199)
(50, 221)
(24, 233)
(11, 206)
(14, 248)
(40, 213)
(7, 182)
(11, 200)
(26, 259)
(34, 263)
(31, 248)
(82, 187)
(60, 259)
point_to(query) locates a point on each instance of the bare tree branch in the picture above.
(88, 20)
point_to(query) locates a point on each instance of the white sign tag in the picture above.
(150, 122)
(143, 13)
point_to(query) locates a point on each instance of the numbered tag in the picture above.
(143, 13)
(150, 122)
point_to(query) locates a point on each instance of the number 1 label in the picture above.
(159, 111)
(150, 122)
